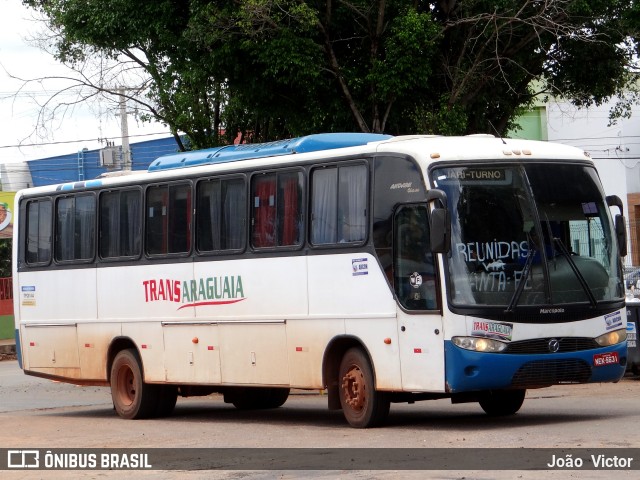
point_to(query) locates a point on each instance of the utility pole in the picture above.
(124, 131)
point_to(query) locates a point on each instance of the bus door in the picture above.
(415, 283)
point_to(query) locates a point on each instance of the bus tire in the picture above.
(167, 398)
(362, 405)
(497, 403)
(276, 397)
(132, 398)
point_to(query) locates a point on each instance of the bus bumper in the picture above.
(471, 371)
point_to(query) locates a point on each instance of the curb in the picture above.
(8, 349)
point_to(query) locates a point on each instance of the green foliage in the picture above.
(5, 258)
(408, 52)
(270, 69)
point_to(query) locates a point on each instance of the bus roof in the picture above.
(232, 153)
(428, 147)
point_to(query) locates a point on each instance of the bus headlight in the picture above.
(611, 338)
(476, 344)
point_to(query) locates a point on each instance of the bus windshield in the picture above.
(529, 235)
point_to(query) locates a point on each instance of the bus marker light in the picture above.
(143, 346)
(387, 341)
(417, 350)
(195, 340)
(435, 155)
(32, 344)
(210, 347)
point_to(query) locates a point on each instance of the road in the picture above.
(38, 413)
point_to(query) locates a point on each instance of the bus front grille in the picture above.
(551, 372)
(542, 345)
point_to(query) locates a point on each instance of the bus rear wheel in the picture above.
(497, 403)
(132, 398)
(362, 405)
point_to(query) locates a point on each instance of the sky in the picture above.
(78, 129)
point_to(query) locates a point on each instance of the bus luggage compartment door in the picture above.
(51, 346)
(191, 353)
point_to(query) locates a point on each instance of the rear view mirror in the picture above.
(620, 224)
(440, 231)
(621, 234)
(440, 224)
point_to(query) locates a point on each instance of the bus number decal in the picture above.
(360, 266)
(28, 296)
(613, 320)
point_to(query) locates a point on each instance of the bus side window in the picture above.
(339, 204)
(290, 208)
(264, 211)
(220, 215)
(414, 269)
(120, 226)
(38, 234)
(75, 228)
(179, 221)
(277, 210)
(168, 219)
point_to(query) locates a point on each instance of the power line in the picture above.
(62, 142)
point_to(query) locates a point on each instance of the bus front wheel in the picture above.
(497, 403)
(132, 398)
(362, 405)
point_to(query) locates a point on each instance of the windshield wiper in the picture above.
(578, 274)
(515, 298)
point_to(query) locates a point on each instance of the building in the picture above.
(82, 165)
(615, 149)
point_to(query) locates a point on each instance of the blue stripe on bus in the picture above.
(471, 371)
(18, 348)
(232, 153)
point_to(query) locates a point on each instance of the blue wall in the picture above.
(85, 165)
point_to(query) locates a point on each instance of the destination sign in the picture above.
(495, 176)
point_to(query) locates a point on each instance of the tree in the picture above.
(270, 69)
(5, 257)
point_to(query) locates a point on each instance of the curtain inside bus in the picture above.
(264, 212)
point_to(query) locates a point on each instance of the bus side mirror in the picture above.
(620, 223)
(440, 222)
(621, 233)
(440, 231)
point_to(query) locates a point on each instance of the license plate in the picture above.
(602, 359)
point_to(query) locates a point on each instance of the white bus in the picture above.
(380, 269)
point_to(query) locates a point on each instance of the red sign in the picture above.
(602, 359)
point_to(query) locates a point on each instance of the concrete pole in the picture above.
(124, 131)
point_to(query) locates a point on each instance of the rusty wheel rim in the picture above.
(126, 386)
(353, 389)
